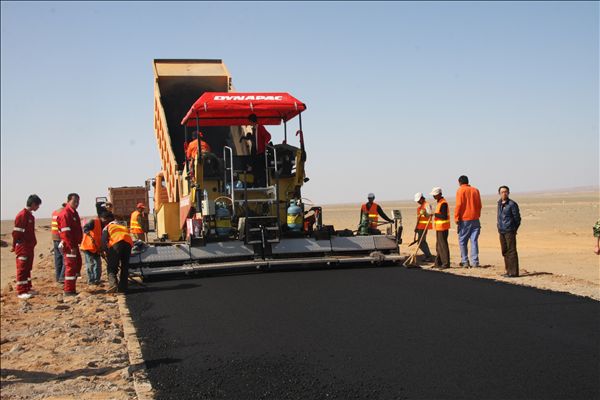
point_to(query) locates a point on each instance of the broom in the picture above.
(412, 259)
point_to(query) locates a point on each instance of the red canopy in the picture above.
(232, 109)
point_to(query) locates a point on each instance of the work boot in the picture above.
(464, 265)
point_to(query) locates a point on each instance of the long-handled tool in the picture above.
(412, 259)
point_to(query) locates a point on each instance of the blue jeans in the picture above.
(59, 265)
(93, 266)
(469, 230)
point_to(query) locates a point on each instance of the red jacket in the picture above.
(468, 204)
(69, 225)
(24, 230)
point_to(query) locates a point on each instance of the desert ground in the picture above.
(66, 349)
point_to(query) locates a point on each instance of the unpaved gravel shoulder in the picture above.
(55, 348)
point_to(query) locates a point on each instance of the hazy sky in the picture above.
(401, 96)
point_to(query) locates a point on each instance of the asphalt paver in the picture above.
(367, 333)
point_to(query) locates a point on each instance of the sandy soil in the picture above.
(57, 348)
(53, 348)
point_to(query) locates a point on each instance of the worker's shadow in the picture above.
(19, 376)
(535, 273)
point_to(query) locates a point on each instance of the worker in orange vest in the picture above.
(441, 223)
(424, 213)
(372, 210)
(59, 263)
(136, 223)
(90, 245)
(24, 242)
(116, 244)
(192, 147)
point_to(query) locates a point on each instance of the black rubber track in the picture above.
(376, 333)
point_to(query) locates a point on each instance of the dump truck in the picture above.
(124, 200)
(228, 196)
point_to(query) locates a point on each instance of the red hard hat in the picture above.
(141, 205)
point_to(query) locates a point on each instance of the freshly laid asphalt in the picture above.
(367, 333)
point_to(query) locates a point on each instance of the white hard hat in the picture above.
(418, 196)
(370, 196)
(435, 191)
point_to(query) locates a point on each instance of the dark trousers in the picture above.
(118, 261)
(423, 246)
(442, 258)
(59, 266)
(508, 244)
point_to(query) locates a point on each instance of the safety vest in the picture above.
(118, 233)
(442, 224)
(371, 213)
(422, 220)
(91, 240)
(134, 226)
(54, 226)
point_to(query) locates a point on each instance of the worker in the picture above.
(108, 206)
(466, 216)
(441, 223)
(91, 246)
(191, 150)
(71, 235)
(257, 141)
(136, 223)
(116, 244)
(372, 210)
(596, 231)
(509, 220)
(23, 245)
(59, 265)
(424, 213)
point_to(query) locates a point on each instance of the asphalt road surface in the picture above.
(368, 333)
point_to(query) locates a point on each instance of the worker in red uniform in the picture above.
(23, 244)
(116, 244)
(71, 235)
(372, 210)
(59, 264)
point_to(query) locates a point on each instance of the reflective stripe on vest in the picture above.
(18, 229)
(54, 228)
(442, 224)
(371, 213)
(118, 233)
(422, 220)
(134, 226)
(91, 240)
